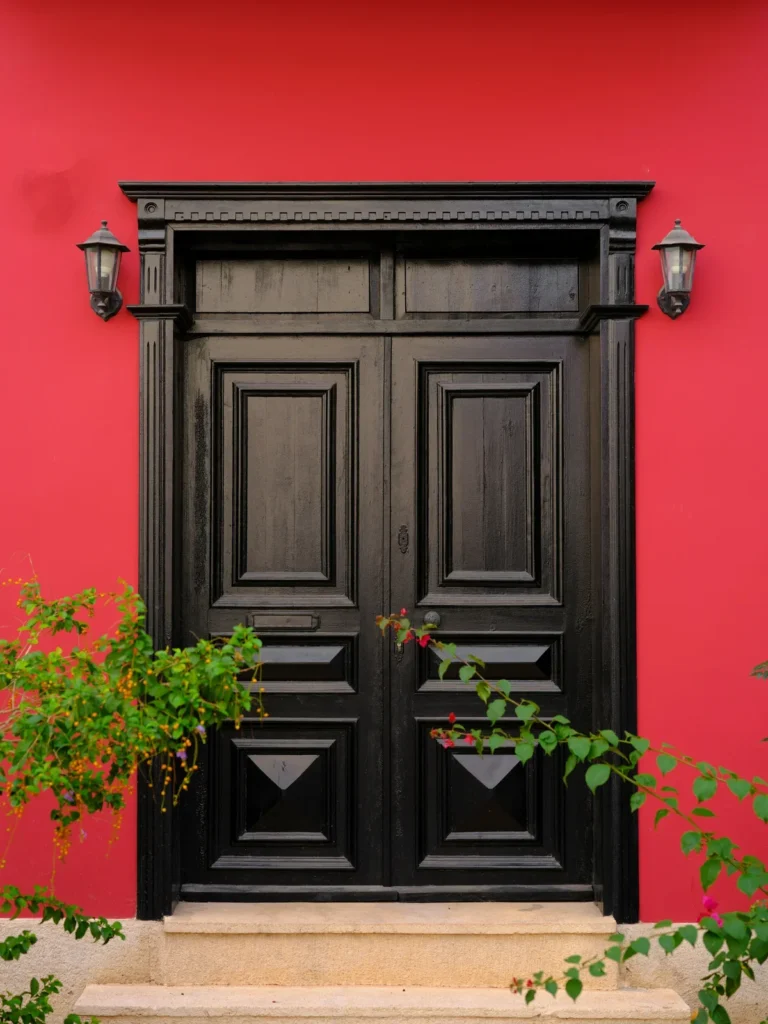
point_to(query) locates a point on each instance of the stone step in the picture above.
(459, 945)
(131, 1004)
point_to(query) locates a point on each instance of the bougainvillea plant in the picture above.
(79, 721)
(737, 941)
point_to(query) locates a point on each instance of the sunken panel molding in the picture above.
(490, 812)
(532, 662)
(492, 449)
(312, 665)
(484, 287)
(295, 441)
(292, 786)
(283, 284)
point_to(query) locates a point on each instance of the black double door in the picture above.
(331, 477)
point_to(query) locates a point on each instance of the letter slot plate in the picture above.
(305, 623)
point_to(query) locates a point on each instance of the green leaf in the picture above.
(689, 932)
(443, 667)
(579, 746)
(524, 751)
(530, 995)
(597, 969)
(662, 813)
(551, 986)
(483, 691)
(614, 953)
(701, 1017)
(704, 788)
(637, 800)
(666, 763)
(496, 710)
(712, 942)
(597, 775)
(505, 686)
(739, 787)
(720, 1015)
(526, 710)
(639, 743)
(732, 969)
(709, 871)
(645, 780)
(570, 764)
(575, 959)
(760, 806)
(641, 945)
(573, 987)
(597, 748)
(703, 812)
(610, 735)
(735, 927)
(496, 740)
(467, 672)
(690, 842)
(708, 998)
(547, 741)
(667, 943)
(749, 884)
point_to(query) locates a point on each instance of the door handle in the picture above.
(399, 651)
(431, 619)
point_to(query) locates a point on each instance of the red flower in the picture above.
(469, 738)
(408, 636)
(529, 983)
(403, 611)
(424, 640)
(451, 718)
(448, 743)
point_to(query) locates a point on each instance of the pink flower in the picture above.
(710, 907)
(424, 640)
(469, 738)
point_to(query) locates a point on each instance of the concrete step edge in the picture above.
(297, 1003)
(388, 918)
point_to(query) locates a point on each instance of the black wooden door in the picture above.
(284, 530)
(490, 500)
(332, 476)
(288, 527)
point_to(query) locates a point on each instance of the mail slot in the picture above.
(283, 622)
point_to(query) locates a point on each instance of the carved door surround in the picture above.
(600, 217)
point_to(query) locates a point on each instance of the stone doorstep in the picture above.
(457, 945)
(390, 1005)
(389, 918)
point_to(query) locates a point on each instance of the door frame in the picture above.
(166, 210)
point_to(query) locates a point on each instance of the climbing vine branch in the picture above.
(737, 940)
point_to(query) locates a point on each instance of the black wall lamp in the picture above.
(678, 257)
(102, 264)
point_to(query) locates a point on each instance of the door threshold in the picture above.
(387, 894)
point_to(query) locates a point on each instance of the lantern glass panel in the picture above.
(677, 265)
(102, 264)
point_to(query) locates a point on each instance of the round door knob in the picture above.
(431, 619)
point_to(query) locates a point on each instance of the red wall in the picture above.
(96, 92)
